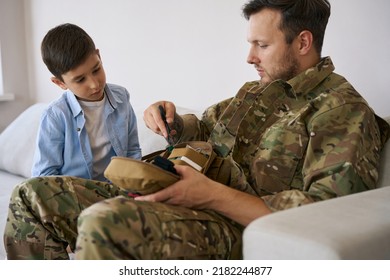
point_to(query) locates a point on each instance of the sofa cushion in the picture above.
(17, 141)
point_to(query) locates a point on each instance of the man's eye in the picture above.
(262, 46)
(96, 70)
(80, 80)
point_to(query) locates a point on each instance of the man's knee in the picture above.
(96, 214)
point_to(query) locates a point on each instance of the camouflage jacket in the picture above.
(293, 143)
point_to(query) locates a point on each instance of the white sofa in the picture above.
(356, 223)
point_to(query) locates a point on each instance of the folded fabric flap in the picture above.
(138, 176)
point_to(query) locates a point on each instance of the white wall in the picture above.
(358, 40)
(14, 60)
(193, 52)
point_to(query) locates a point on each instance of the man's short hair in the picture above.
(297, 16)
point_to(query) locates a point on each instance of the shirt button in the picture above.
(312, 134)
(78, 129)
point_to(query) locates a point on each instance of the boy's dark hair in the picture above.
(65, 47)
(297, 15)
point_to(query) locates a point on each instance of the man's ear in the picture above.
(59, 83)
(305, 41)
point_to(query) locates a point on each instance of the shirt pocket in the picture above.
(281, 149)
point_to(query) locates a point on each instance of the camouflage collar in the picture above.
(312, 77)
(303, 83)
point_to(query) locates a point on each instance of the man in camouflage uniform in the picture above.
(300, 135)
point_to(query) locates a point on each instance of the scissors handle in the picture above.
(163, 117)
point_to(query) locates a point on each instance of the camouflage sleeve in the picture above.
(212, 114)
(342, 157)
(199, 130)
(193, 129)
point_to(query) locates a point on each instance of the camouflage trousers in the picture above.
(98, 220)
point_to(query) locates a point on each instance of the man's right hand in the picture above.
(153, 120)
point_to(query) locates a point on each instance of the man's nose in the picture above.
(252, 57)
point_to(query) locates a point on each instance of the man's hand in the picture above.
(194, 190)
(153, 120)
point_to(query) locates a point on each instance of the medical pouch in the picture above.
(155, 171)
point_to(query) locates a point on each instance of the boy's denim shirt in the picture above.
(63, 146)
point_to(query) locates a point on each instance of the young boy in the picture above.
(92, 121)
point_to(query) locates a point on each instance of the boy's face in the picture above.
(86, 81)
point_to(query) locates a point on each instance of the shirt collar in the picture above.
(312, 77)
(75, 105)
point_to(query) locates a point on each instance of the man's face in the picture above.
(272, 57)
(86, 81)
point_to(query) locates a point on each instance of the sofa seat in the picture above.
(351, 227)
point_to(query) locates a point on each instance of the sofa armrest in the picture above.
(352, 227)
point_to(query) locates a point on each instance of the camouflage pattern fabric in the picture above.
(43, 212)
(121, 228)
(291, 143)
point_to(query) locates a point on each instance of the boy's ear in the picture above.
(59, 83)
